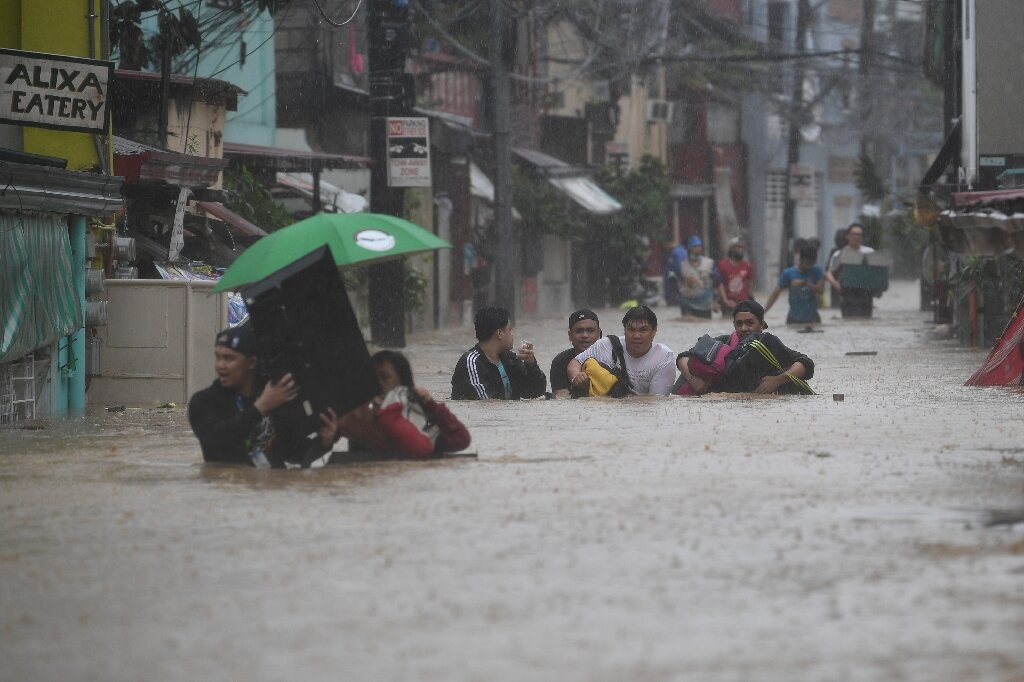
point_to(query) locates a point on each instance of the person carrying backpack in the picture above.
(635, 361)
(750, 360)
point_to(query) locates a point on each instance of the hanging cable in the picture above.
(334, 23)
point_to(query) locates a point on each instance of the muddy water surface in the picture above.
(721, 538)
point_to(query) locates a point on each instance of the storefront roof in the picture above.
(138, 163)
(28, 187)
(587, 194)
(991, 198)
(481, 187)
(574, 182)
(332, 197)
(985, 223)
(235, 222)
(290, 160)
(208, 89)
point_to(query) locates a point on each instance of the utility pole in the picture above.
(508, 251)
(165, 87)
(387, 33)
(796, 120)
(865, 91)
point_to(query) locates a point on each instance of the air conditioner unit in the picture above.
(554, 100)
(659, 110)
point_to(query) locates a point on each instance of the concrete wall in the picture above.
(157, 346)
(1000, 60)
(554, 293)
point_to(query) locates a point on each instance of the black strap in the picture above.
(619, 358)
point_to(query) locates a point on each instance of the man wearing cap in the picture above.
(745, 368)
(584, 330)
(736, 274)
(699, 277)
(233, 417)
(648, 364)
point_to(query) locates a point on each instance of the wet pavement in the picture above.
(716, 538)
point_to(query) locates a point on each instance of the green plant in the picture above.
(644, 197)
(247, 196)
(616, 254)
(415, 288)
(543, 208)
(613, 244)
(868, 181)
(973, 270)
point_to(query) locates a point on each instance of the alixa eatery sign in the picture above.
(54, 91)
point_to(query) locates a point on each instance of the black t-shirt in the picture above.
(559, 369)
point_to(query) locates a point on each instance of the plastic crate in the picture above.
(871, 277)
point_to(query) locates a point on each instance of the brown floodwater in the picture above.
(716, 538)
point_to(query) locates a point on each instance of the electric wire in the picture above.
(333, 22)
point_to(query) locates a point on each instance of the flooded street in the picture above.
(717, 538)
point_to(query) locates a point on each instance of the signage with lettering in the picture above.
(54, 91)
(408, 152)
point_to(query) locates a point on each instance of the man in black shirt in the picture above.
(746, 369)
(233, 417)
(490, 370)
(584, 330)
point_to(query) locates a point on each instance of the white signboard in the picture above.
(54, 91)
(408, 152)
(801, 182)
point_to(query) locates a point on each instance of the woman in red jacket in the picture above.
(416, 424)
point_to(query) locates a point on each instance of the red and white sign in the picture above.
(408, 152)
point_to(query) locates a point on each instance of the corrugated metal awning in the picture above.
(332, 198)
(138, 163)
(985, 223)
(290, 160)
(587, 194)
(208, 89)
(481, 187)
(575, 182)
(28, 187)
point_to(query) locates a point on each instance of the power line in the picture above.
(335, 23)
(239, 60)
(192, 91)
(777, 57)
(253, 107)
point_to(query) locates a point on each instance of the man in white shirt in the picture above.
(650, 366)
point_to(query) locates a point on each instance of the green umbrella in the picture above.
(354, 239)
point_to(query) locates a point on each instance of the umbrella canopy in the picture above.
(354, 239)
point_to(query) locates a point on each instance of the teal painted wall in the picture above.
(224, 34)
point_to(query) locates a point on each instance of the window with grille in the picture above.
(775, 189)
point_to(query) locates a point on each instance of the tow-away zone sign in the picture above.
(408, 152)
